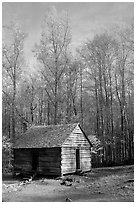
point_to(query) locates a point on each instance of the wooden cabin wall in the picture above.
(50, 161)
(22, 160)
(68, 154)
(68, 157)
(85, 158)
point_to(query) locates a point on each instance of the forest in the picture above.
(93, 86)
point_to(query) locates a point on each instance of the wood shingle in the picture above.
(44, 136)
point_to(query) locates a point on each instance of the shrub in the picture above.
(7, 156)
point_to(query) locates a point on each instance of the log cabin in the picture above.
(53, 150)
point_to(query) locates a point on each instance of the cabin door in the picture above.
(77, 159)
(35, 160)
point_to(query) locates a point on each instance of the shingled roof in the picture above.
(44, 136)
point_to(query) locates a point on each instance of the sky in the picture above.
(86, 19)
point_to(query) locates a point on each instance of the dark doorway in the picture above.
(35, 160)
(77, 159)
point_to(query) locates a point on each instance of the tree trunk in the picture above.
(13, 104)
(81, 95)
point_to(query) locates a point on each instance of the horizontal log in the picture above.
(22, 156)
(85, 150)
(53, 154)
(49, 163)
(87, 153)
(67, 168)
(73, 149)
(75, 143)
(68, 157)
(57, 171)
(68, 153)
(48, 168)
(66, 162)
(77, 130)
(85, 159)
(52, 150)
(49, 152)
(50, 159)
(22, 153)
(68, 149)
(86, 164)
(76, 138)
(50, 155)
(23, 167)
(22, 159)
(22, 163)
(45, 164)
(25, 157)
(85, 156)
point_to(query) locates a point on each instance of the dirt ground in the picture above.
(114, 184)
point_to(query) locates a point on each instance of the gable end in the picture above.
(77, 138)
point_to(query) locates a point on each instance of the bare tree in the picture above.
(12, 61)
(123, 76)
(109, 65)
(52, 53)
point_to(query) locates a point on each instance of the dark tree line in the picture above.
(95, 87)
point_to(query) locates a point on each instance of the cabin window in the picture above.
(77, 159)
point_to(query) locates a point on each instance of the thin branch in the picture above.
(15, 107)
(49, 97)
(48, 82)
